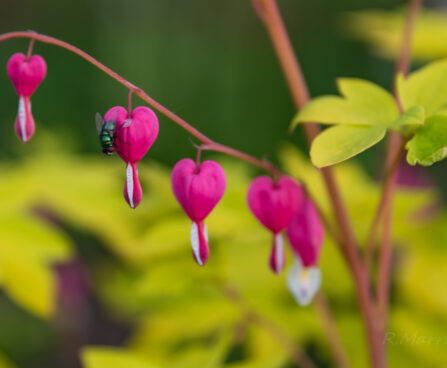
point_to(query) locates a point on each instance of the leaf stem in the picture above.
(395, 141)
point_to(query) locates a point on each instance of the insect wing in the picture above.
(98, 121)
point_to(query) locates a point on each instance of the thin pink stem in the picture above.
(30, 49)
(129, 102)
(210, 144)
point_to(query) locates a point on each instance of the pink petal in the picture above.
(306, 234)
(198, 189)
(133, 141)
(26, 75)
(274, 204)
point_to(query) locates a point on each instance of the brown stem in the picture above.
(331, 331)
(394, 142)
(374, 228)
(296, 352)
(297, 86)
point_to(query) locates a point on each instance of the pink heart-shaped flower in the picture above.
(26, 74)
(198, 189)
(134, 135)
(274, 204)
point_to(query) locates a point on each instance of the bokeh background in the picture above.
(79, 269)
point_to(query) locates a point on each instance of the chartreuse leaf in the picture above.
(425, 87)
(429, 144)
(339, 143)
(31, 284)
(413, 116)
(106, 357)
(363, 103)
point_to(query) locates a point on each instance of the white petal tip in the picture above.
(129, 184)
(303, 283)
(195, 242)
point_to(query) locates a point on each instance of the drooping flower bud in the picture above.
(133, 136)
(26, 74)
(306, 235)
(198, 189)
(274, 204)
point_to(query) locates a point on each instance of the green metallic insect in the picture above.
(107, 133)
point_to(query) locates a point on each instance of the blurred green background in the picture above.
(130, 280)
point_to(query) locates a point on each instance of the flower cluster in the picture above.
(279, 205)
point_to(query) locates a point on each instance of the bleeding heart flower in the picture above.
(198, 189)
(26, 74)
(306, 234)
(274, 204)
(134, 135)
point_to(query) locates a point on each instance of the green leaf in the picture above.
(29, 283)
(105, 357)
(339, 143)
(426, 87)
(364, 103)
(429, 144)
(413, 116)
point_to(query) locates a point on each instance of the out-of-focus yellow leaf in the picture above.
(383, 31)
(29, 283)
(425, 87)
(106, 357)
(5, 362)
(34, 237)
(276, 362)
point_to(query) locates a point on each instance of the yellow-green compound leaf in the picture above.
(426, 87)
(30, 283)
(105, 357)
(413, 116)
(429, 144)
(364, 103)
(339, 143)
